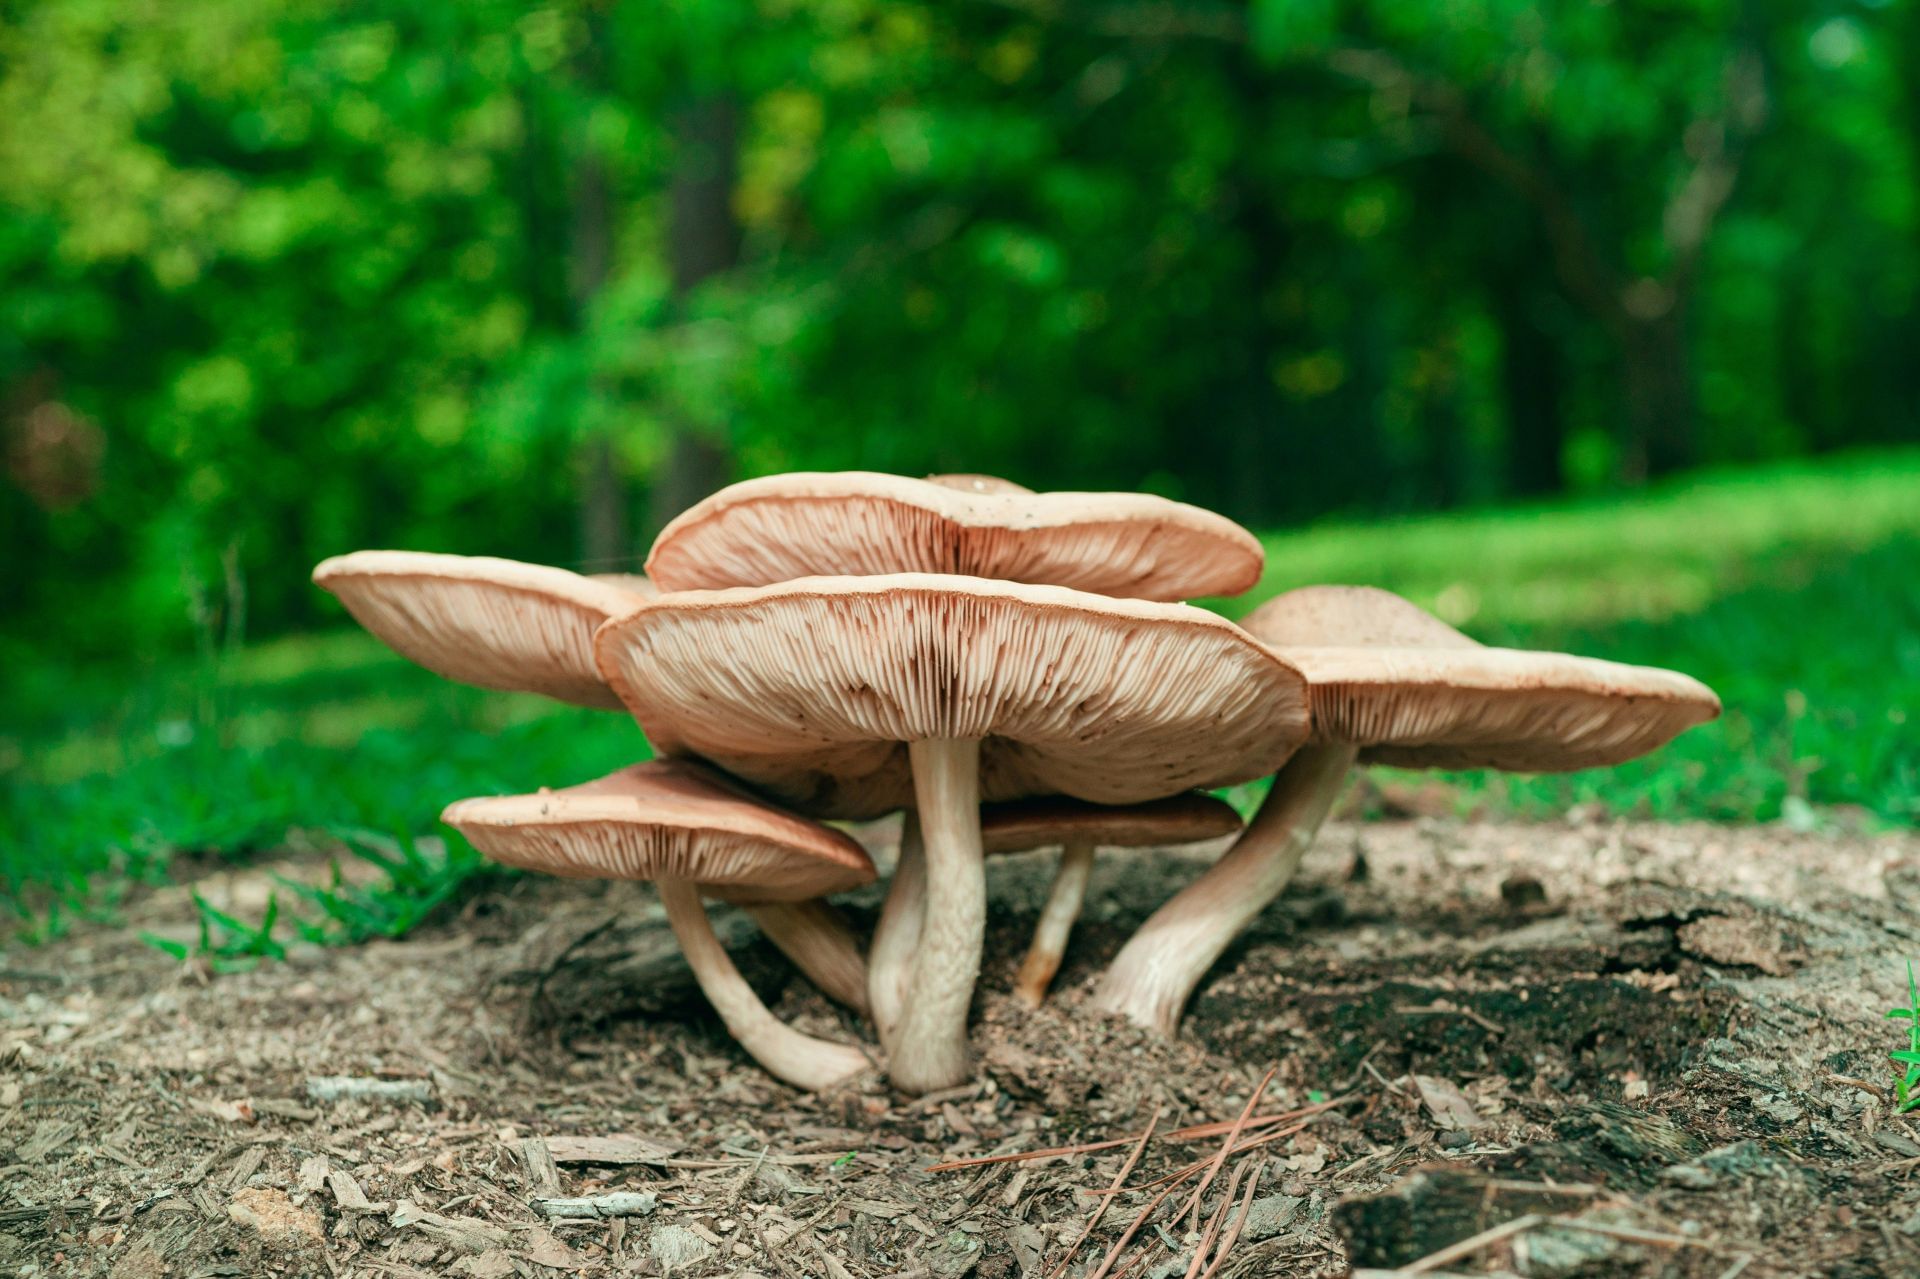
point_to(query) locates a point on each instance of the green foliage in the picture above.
(1906, 1084)
(279, 279)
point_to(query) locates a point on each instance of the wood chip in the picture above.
(617, 1148)
(245, 1166)
(49, 1136)
(233, 1112)
(541, 1173)
(346, 1191)
(331, 1088)
(466, 1233)
(621, 1203)
(313, 1174)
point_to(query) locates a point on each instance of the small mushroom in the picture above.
(523, 628)
(1391, 684)
(853, 696)
(689, 831)
(784, 527)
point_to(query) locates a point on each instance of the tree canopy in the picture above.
(280, 278)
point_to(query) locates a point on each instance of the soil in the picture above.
(1573, 1050)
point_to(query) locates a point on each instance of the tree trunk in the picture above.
(703, 240)
(1533, 387)
(1662, 415)
(604, 544)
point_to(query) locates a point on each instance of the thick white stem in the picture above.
(897, 935)
(1154, 973)
(1056, 923)
(799, 1059)
(930, 1045)
(818, 941)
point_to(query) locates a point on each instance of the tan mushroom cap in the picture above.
(860, 522)
(1162, 823)
(1411, 691)
(523, 628)
(968, 482)
(809, 689)
(666, 820)
(632, 583)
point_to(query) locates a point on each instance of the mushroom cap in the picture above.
(666, 820)
(523, 628)
(860, 522)
(1161, 823)
(969, 482)
(810, 689)
(632, 583)
(1411, 691)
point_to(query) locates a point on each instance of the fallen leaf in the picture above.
(1447, 1104)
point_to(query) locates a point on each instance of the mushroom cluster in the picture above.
(1014, 670)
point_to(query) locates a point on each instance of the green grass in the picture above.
(1789, 590)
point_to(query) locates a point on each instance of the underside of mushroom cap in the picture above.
(1496, 707)
(1162, 823)
(500, 624)
(784, 527)
(809, 689)
(1392, 679)
(666, 820)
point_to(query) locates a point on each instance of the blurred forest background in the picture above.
(283, 278)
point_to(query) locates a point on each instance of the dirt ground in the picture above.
(1613, 1049)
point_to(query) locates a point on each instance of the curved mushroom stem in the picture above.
(1154, 973)
(818, 941)
(890, 954)
(1056, 922)
(799, 1059)
(930, 1045)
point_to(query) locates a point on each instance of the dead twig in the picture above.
(1239, 1224)
(1205, 1245)
(1226, 1147)
(1194, 1132)
(1100, 1207)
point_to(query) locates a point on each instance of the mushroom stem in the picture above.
(890, 955)
(799, 1059)
(814, 936)
(930, 1045)
(1056, 922)
(1151, 978)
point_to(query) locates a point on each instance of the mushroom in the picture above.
(852, 696)
(1021, 826)
(501, 624)
(1079, 828)
(782, 527)
(685, 828)
(1391, 684)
